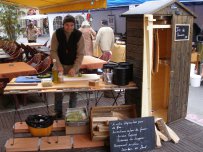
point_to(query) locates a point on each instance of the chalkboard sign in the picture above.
(133, 135)
(182, 32)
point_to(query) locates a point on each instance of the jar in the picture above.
(60, 77)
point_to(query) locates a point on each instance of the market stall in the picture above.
(159, 44)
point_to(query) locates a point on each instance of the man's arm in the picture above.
(113, 40)
(98, 37)
(53, 51)
(80, 54)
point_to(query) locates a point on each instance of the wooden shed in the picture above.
(159, 44)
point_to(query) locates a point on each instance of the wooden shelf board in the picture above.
(84, 141)
(59, 126)
(161, 26)
(21, 127)
(50, 143)
(22, 144)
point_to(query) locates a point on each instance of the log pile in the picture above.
(164, 132)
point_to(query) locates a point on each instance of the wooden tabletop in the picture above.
(14, 69)
(68, 86)
(3, 54)
(90, 62)
(33, 44)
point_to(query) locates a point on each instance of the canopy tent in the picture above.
(53, 6)
(116, 3)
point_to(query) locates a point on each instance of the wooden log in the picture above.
(161, 126)
(158, 140)
(162, 136)
(173, 135)
(119, 115)
(104, 119)
(167, 131)
(97, 133)
(102, 128)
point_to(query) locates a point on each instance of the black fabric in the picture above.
(67, 50)
(39, 121)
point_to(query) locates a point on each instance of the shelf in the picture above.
(161, 26)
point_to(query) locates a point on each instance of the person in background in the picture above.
(67, 47)
(196, 32)
(32, 33)
(105, 40)
(89, 35)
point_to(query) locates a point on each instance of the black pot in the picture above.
(130, 69)
(120, 76)
(39, 121)
(109, 66)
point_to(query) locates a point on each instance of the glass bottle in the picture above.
(60, 77)
(54, 72)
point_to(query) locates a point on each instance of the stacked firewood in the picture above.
(164, 132)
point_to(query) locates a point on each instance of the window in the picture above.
(22, 21)
(57, 22)
(78, 21)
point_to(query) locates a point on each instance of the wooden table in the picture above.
(33, 44)
(43, 49)
(3, 55)
(14, 69)
(90, 62)
(60, 87)
(68, 86)
(118, 53)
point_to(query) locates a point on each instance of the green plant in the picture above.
(9, 21)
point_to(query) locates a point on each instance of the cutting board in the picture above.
(84, 77)
(27, 79)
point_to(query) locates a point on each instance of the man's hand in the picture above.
(71, 72)
(60, 69)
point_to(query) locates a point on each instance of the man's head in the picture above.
(31, 25)
(104, 23)
(69, 23)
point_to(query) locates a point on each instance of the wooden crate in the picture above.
(72, 130)
(100, 116)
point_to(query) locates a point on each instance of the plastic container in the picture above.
(40, 125)
(195, 80)
(77, 127)
(192, 69)
(79, 110)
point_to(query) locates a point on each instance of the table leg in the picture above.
(116, 97)
(17, 105)
(97, 97)
(45, 99)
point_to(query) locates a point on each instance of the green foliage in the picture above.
(9, 21)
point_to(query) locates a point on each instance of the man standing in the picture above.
(32, 33)
(105, 40)
(67, 47)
